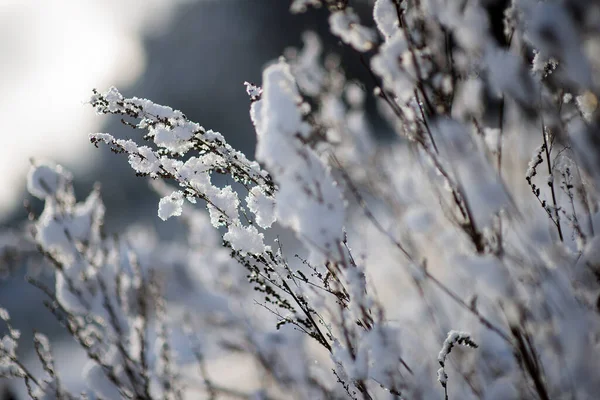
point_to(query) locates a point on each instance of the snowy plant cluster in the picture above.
(338, 260)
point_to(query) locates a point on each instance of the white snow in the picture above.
(262, 206)
(346, 25)
(309, 200)
(386, 17)
(170, 206)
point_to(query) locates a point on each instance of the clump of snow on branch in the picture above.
(386, 17)
(308, 200)
(170, 206)
(454, 338)
(171, 131)
(47, 181)
(346, 24)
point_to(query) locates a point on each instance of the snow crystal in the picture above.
(536, 159)
(212, 136)
(442, 377)
(175, 139)
(255, 115)
(262, 206)
(194, 167)
(245, 239)
(112, 96)
(170, 206)
(551, 30)
(223, 205)
(105, 137)
(253, 91)
(171, 166)
(453, 338)
(144, 161)
(542, 65)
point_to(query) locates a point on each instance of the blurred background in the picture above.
(192, 55)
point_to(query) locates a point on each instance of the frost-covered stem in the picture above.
(527, 356)
(321, 338)
(430, 312)
(456, 195)
(45, 358)
(195, 347)
(484, 321)
(362, 387)
(500, 250)
(68, 321)
(460, 201)
(399, 245)
(567, 187)
(469, 227)
(586, 202)
(143, 335)
(454, 338)
(360, 384)
(210, 387)
(476, 392)
(425, 122)
(380, 90)
(581, 189)
(169, 376)
(419, 82)
(551, 181)
(363, 204)
(283, 285)
(61, 270)
(501, 127)
(18, 363)
(114, 321)
(344, 384)
(450, 61)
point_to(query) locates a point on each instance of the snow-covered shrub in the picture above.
(401, 243)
